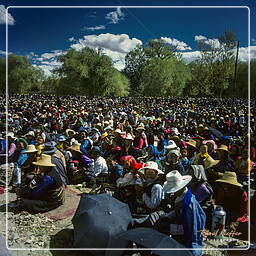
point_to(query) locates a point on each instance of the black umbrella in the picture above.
(98, 220)
(3, 250)
(216, 132)
(151, 238)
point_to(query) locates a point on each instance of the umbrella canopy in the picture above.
(151, 238)
(98, 220)
(216, 132)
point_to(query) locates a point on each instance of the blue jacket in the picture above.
(19, 159)
(193, 222)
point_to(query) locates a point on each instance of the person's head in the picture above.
(95, 153)
(39, 140)
(83, 135)
(222, 151)
(176, 183)
(21, 144)
(128, 140)
(111, 161)
(173, 156)
(235, 150)
(150, 174)
(184, 152)
(150, 171)
(245, 153)
(44, 164)
(203, 149)
(210, 147)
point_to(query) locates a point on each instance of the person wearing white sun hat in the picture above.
(153, 191)
(187, 218)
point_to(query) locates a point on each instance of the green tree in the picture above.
(89, 72)
(23, 77)
(216, 63)
(154, 69)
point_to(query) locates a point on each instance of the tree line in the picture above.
(152, 69)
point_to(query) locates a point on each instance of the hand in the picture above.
(155, 216)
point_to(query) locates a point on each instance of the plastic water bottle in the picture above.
(218, 219)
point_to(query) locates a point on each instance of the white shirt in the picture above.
(98, 166)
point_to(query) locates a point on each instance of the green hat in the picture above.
(23, 140)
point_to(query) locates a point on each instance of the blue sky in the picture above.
(43, 34)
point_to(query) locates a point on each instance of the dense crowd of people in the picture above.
(170, 159)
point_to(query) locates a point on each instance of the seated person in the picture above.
(203, 154)
(173, 162)
(99, 167)
(46, 191)
(115, 169)
(186, 218)
(198, 185)
(228, 190)
(152, 189)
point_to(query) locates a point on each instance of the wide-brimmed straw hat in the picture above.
(230, 178)
(223, 147)
(45, 160)
(30, 149)
(191, 143)
(129, 137)
(175, 181)
(30, 133)
(210, 162)
(171, 145)
(10, 134)
(150, 165)
(118, 131)
(70, 131)
(141, 127)
(76, 148)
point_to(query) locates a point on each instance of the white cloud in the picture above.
(4, 52)
(114, 46)
(190, 56)
(214, 42)
(198, 38)
(100, 27)
(242, 56)
(253, 41)
(48, 61)
(11, 20)
(182, 46)
(117, 43)
(71, 39)
(243, 53)
(52, 54)
(115, 17)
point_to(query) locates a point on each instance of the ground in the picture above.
(26, 230)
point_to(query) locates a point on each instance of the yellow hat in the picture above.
(210, 162)
(230, 178)
(192, 143)
(76, 148)
(30, 149)
(223, 147)
(45, 160)
(104, 135)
